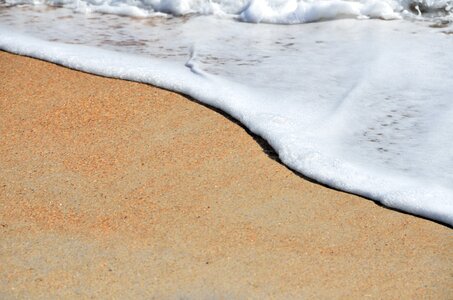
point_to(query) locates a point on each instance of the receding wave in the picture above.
(362, 103)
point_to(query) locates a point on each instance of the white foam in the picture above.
(363, 106)
(255, 11)
(296, 12)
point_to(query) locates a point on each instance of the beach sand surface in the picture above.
(115, 189)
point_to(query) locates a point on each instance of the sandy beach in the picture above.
(115, 189)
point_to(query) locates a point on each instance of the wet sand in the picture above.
(114, 189)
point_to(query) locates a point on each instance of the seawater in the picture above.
(357, 95)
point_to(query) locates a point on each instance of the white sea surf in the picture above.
(357, 95)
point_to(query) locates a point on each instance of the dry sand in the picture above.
(117, 189)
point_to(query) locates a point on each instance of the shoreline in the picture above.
(116, 188)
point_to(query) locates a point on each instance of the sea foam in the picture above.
(364, 106)
(270, 11)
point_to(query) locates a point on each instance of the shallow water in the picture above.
(362, 105)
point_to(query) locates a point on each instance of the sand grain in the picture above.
(117, 189)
